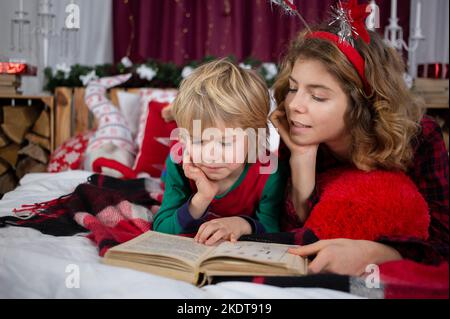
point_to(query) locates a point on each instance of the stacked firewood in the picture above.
(24, 143)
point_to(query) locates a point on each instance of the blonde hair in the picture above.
(220, 91)
(382, 125)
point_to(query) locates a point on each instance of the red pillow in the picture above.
(155, 146)
(68, 156)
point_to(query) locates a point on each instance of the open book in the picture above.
(183, 259)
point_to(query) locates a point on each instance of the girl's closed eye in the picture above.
(318, 99)
(293, 87)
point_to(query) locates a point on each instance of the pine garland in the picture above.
(152, 73)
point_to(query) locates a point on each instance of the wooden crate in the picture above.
(72, 115)
(433, 92)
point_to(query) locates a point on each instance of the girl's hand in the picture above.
(227, 228)
(280, 121)
(345, 256)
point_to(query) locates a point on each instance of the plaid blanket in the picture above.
(112, 211)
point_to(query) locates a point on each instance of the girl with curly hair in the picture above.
(347, 104)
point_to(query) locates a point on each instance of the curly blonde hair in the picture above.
(382, 125)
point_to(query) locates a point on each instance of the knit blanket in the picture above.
(111, 211)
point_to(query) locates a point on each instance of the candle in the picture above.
(372, 21)
(418, 15)
(45, 6)
(21, 6)
(394, 10)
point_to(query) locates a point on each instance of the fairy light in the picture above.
(210, 29)
(227, 12)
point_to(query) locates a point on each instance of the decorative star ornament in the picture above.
(351, 18)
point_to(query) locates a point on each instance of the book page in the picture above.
(262, 252)
(155, 243)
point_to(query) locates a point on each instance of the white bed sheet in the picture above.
(35, 265)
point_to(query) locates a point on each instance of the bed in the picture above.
(35, 265)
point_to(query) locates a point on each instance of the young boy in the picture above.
(220, 191)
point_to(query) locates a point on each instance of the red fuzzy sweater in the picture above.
(368, 205)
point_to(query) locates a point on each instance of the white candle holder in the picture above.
(20, 30)
(69, 42)
(68, 46)
(393, 36)
(45, 26)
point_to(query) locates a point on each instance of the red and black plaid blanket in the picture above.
(112, 211)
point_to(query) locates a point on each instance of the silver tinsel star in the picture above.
(346, 29)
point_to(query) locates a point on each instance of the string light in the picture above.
(210, 28)
(132, 27)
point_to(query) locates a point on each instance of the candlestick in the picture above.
(418, 15)
(45, 6)
(394, 9)
(373, 20)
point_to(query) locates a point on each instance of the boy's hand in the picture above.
(227, 228)
(206, 189)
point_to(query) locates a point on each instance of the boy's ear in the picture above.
(167, 114)
(184, 139)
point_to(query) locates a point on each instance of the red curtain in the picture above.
(184, 30)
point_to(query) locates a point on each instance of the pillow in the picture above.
(129, 104)
(368, 205)
(155, 141)
(146, 96)
(68, 156)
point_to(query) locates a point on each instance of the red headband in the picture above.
(354, 16)
(350, 52)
